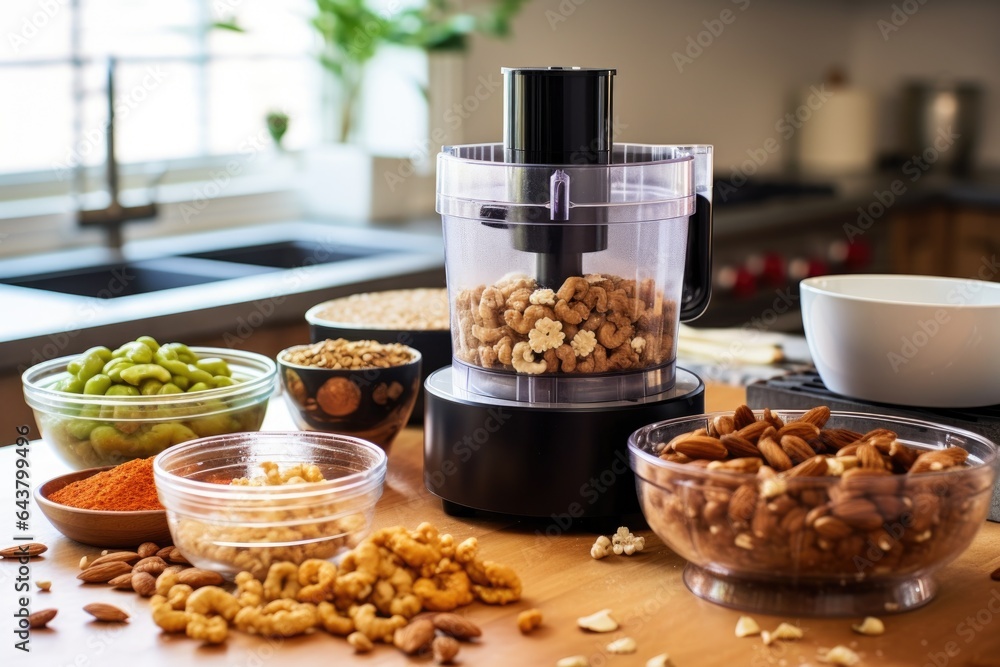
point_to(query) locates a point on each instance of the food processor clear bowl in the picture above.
(566, 281)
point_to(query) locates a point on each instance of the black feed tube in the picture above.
(559, 116)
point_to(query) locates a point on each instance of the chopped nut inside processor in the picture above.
(592, 324)
(341, 353)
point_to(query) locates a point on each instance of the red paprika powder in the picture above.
(126, 487)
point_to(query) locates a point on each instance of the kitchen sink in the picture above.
(109, 281)
(290, 254)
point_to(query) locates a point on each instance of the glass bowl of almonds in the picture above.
(361, 388)
(812, 512)
(242, 501)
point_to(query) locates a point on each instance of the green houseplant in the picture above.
(352, 33)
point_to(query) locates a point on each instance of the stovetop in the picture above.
(804, 390)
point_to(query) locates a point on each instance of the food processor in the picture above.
(570, 260)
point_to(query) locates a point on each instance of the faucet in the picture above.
(113, 217)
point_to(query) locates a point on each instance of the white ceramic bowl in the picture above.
(906, 340)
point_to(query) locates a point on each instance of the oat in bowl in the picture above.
(813, 513)
(415, 317)
(361, 388)
(242, 501)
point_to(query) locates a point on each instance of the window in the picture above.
(183, 88)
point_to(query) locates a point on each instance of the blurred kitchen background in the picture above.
(824, 115)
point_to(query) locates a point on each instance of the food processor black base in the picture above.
(560, 462)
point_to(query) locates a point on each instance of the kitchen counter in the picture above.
(960, 627)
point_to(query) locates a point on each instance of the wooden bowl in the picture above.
(101, 528)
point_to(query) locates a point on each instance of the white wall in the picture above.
(749, 76)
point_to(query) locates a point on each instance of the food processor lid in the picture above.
(644, 183)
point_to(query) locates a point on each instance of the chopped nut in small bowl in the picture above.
(361, 388)
(242, 501)
(417, 317)
(813, 512)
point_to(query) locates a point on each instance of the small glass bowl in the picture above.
(767, 554)
(231, 528)
(89, 431)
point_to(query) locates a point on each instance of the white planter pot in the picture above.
(346, 183)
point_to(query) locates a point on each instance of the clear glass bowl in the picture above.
(232, 528)
(88, 431)
(766, 554)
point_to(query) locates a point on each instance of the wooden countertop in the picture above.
(960, 627)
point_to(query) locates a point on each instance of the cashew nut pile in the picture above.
(592, 324)
(380, 585)
(252, 534)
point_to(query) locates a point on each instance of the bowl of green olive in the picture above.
(104, 407)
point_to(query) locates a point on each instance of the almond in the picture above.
(798, 450)
(414, 637)
(115, 557)
(743, 503)
(743, 417)
(445, 649)
(869, 456)
(752, 432)
(721, 425)
(195, 577)
(702, 447)
(835, 438)
(902, 456)
(817, 416)
(775, 455)
(773, 419)
(831, 527)
(165, 552)
(152, 564)
(39, 619)
(147, 549)
(674, 457)
(812, 467)
(804, 430)
(105, 572)
(122, 582)
(144, 583)
(739, 446)
(858, 481)
(849, 450)
(939, 459)
(177, 557)
(106, 613)
(28, 549)
(457, 626)
(744, 465)
(858, 512)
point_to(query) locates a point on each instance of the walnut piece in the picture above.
(601, 548)
(584, 343)
(547, 335)
(543, 297)
(624, 542)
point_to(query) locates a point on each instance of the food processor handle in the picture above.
(697, 289)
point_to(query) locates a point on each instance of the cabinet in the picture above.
(947, 240)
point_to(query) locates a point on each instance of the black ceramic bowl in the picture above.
(369, 403)
(434, 344)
